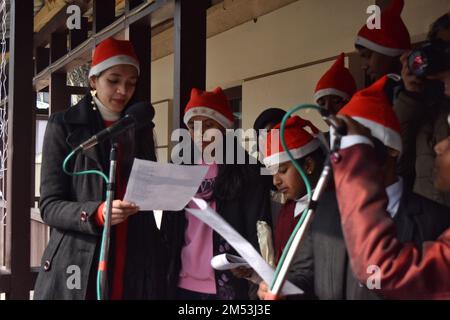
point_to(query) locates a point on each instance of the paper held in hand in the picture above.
(163, 186)
(227, 261)
(243, 247)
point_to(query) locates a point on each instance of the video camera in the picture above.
(430, 58)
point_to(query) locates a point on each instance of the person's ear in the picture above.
(393, 153)
(93, 82)
(309, 165)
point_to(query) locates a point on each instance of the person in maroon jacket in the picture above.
(405, 271)
(305, 148)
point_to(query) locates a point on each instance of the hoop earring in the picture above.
(93, 94)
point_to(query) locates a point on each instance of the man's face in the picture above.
(442, 165)
(332, 103)
(375, 64)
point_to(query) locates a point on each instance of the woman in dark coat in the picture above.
(236, 191)
(73, 206)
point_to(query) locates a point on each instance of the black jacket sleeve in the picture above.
(57, 207)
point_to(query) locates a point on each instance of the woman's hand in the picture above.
(121, 210)
(263, 289)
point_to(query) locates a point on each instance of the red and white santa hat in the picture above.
(336, 81)
(112, 52)
(372, 108)
(299, 141)
(392, 39)
(213, 105)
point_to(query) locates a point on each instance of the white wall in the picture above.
(302, 32)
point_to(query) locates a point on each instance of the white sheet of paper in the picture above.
(242, 246)
(163, 186)
(226, 261)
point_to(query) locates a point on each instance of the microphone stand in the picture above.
(320, 188)
(104, 252)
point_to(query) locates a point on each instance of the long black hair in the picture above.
(318, 156)
(231, 178)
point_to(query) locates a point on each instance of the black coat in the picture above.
(321, 266)
(69, 204)
(242, 213)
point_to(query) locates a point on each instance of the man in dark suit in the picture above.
(322, 267)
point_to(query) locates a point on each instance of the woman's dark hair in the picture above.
(271, 115)
(442, 23)
(318, 157)
(230, 181)
(231, 178)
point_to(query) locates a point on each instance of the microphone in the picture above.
(138, 116)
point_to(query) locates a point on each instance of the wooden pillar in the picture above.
(78, 36)
(58, 45)
(131, 4)
(42, 59)
(19, 150)
(104, 13)
(59, 97)
(140, 35)
(190, 53)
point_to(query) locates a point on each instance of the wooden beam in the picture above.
(58, 46)
(32, 159)
(140, 36)
(42, 59)
(50, 9)
(78, 36)
(160, 11)
(190, 53)
(56, 24)
(59, 97)
(103, 13)
(131, 4)
(19, 148)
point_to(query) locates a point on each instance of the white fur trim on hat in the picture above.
(366, 43)
(209, 113)
(387, 136)
(296, 153)
(111, 62)
(330, 91)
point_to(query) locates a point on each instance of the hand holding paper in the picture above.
(242, 246)
(163, 186)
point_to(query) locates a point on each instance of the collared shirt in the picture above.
(394, 193)
(301, 204)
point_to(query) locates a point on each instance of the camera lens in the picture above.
(430, 58)
(418, 63)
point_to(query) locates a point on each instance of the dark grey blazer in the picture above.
(321, 266)
(68, 205)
